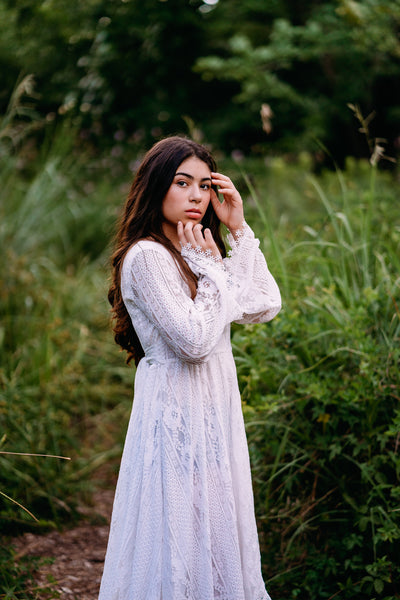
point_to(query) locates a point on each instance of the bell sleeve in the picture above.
(256, 290)
(151, 281)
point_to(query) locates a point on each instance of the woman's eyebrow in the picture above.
(191, 176)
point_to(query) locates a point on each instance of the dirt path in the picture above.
(78, 554)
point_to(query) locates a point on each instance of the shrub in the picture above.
(321, 393)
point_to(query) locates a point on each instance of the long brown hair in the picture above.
(142, 218)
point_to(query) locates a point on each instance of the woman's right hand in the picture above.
(230, 210)
(193, 235)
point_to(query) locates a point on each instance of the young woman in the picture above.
(183, 525)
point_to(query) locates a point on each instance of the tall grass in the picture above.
(58, 364)
(323, 411)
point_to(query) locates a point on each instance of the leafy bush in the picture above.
(58, 362)
(321, 391)
(17, 578)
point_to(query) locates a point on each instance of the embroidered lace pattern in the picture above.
(183, 525)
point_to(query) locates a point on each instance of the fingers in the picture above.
(220, 177)
(181, 234)
(189, 234)
(230, 211)
(193, 235)
(211, 243)
(226, 188)
(223, 182)
(215, 201)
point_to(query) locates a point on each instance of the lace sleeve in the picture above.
(259, 295)
(151, 281)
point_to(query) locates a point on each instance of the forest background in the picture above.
(299, 101)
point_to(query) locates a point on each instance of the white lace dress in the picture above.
(183, 525)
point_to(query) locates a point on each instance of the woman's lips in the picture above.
(193, 213)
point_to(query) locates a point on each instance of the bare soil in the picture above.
(77, 554)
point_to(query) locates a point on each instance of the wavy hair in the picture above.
(142, 218)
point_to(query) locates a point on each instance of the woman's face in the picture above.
(188, 196)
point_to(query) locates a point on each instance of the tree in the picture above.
(141, 68)
(122, 66)
(308, 64)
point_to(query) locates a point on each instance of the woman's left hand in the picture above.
(230, 211)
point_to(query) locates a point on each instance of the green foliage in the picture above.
(63, 389)
(17, 578)
(55, 376)
(140, 69)
(309, 64)
(124, 68)
(320, 384)
(321, 390)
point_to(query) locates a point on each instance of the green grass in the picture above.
(320, 384)
(321, 390)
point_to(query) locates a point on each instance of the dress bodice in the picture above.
(170, 323)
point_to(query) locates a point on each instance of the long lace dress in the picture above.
(183, 525)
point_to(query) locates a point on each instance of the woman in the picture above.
(183, 524)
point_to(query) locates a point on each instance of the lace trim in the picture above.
(200, 261)
(200, 257)
(239, 238)
(239, 233)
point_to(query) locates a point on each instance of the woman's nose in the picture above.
(195, 194)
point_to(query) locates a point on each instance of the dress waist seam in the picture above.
(151, 359)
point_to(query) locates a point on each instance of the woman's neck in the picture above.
(170, 232)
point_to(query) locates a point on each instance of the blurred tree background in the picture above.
(145, 68)
(283, 92)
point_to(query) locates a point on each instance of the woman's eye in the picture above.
(181, 183)
(205, 186)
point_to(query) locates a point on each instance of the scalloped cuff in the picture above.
(201, 260)
(241, 237)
